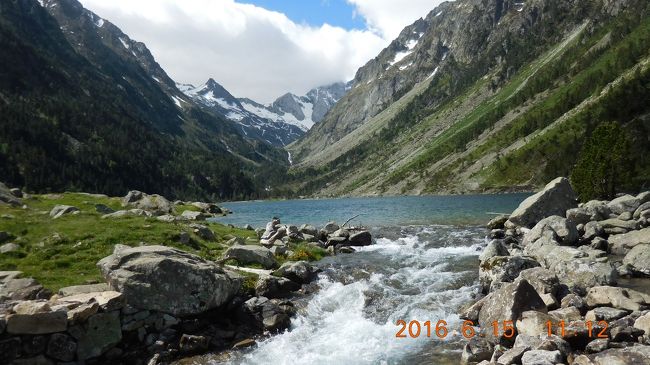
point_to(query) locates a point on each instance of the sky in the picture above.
(262, 49)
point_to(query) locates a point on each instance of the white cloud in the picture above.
(252, 51)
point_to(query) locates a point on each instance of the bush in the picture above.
(604, 164)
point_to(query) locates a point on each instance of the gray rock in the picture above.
(625, 216)
(156, 204)
(564, 230)
(597, 345)
(508, 304)
(638, 259)
(476, 349)
(209, 208)
(301, 272)
(251, 255)
(275, 287)
(192, 343)
(7, 197)
(16, 192)
(566, 314)
(61, 210)
(167, 280)
(625, 203)
(61, 347)
(83, 289)
(605, 314)
(363, 238)
(533, 323)
(203, 231)
(555, 199)
(107, 300)
(194, 216)
(331, 227)
(308, 229)
(543, 280)
(621, 244)
(103, 209)
(503, 269)
(622, 298)
(494, 248)
(578, 215)
(512, 356)
(600, 244)
(9, 248)
(269, 313)
(599, 210)
(471, 311)
(498, 222)
(541, 357)
(643, 323)
(82, 312)
(593, 230)
(528, 342)
(184, 238)
(236, 241)
(37, 323)
(615, 225)
(576, 301)
(642, 208)
(99, 334)
(12, 286)
(127, 213)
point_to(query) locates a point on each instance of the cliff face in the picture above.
(450, 81)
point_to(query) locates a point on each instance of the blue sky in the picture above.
(315, 12)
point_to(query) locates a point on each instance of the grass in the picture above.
(62, 252)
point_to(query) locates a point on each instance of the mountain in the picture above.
(85, 107)
(279, 123)
(485, 96)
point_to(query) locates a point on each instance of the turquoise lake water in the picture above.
(376, 211)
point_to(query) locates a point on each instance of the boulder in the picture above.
(37, 323)
(167, 280)
(623, 204)
(203, 231)
(12, 286)
(508, 304)
(503, 269)
(605, 314)
(573, 300)
(7, 197)
(533, 323)
(566, 314)
(597, 345)
(209, 208)
(363, 238)
(156, 204)
(83, 289)
(629, 355)
(251, 255)
(300, 272)
(31, 307)
(555, 199)
(543, 280)
(61, 210)
(638, 259)
(564, 231)
(494, 248)
(617, 226)
(621, 244)
(331, 227)
(308, 229)
(643, 323)
(191, 343)
(476, 349)
(498, 222)
(622, 298)
(275, 287)
(541, 357)
(61, 347)
(107, 300)
(592, 230)
(99, 334)
(471, 311)
(512, 356)
(578, 215)
(9, 248)
(642, 208)
(268, 313)
(194, 216)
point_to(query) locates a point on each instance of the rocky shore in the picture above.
(552, 279)
(159, 303)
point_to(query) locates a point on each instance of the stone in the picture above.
(331, 227)
(83, 289)
(512, 356)
(31, 307)
(192, 344)
(616, 226)
(7, 197)
(210, 208)
(543, 280)
(471, 312)
(532, 323)
(597, 345)
(279, 250)
(194, 216)
(621, 244)
(494, 248)
(503, 269)
(476, 349)
(236, 241)
(541, 357)
(204, 232)
(638, 259)
(156, 204)
(82, 312)
(593, 230)
(300, 272)
(99, 334)
(244, 343)
(167, 218)
(274, 287)
(61, 347)
(600, 244)
(550, 300)
(268, 313)
(623, 204)
(184, 238)
(508, 304)
(308, 229)
(564, 230)
(12, 286)
(629, 355)
(625, 216)
(528, 342)
(61, 210)
(598, 209)
(578, 215)
(605, 314)
(578, 271)
(642, 208)
(167, 280)
(567, 314)
(16, 192)
(107, 300)
(103, 209)
(363, 238)
(555, 199)
(127, 213)
(643, 323)
(622, 298)
(251, 255)
(624, 334)
(37, 323)
(498, 222)
(9, 248)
